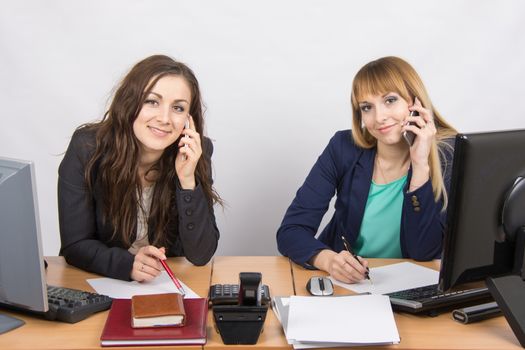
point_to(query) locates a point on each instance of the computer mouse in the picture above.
(320, 286)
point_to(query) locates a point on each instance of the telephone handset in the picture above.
(409, 135)
(186, 126)
(241, 320)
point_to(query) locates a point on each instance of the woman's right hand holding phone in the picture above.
(190, 151)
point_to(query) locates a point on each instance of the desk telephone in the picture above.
(239, 310)
(228, 294)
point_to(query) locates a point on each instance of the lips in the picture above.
(386, 128)
(159, 132)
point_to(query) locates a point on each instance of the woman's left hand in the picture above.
(419, 151)
(190, 151)
(425, 133)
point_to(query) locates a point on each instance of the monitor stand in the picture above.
(508, 291)
(8, 323)
(519, 253)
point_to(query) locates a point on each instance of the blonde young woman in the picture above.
(391, 196)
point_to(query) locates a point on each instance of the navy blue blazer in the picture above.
(346, 170)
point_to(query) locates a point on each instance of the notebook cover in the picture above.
(157, 310)
(118, 330)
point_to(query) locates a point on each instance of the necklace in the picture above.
(404, 168)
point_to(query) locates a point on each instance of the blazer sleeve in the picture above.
(296, 235)
(423, 219)
(81, 244)
(198, 230)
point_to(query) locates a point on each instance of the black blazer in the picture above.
(86, 239)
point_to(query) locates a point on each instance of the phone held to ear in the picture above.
(409, 135)
(186, 126)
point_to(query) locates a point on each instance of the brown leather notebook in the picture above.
(155, 310)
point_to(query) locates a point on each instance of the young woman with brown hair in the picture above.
(136, 187)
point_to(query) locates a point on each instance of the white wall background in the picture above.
(275, 77)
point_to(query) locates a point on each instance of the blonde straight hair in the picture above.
(393, 74)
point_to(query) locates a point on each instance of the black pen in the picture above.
(347, 247)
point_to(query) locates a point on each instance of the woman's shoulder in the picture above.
(446, 147)
(83, 142)
(343, 137)
(207, 146)
(342, 141)
(343, 152)
(85, 133)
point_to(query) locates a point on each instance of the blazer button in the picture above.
(417, 209)
(190, 226)
(189, 212)
(415, 203)
(187, 198)
(414, 198)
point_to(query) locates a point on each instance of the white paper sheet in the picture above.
(119, 289)
(393, 278)
(352, 320)
(281, 306)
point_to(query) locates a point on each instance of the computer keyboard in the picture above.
(73, 305)
(429, 298)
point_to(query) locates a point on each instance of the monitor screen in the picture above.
(486, 166)
(22, 275)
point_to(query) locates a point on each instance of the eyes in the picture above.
(177, 108)
(389, 99)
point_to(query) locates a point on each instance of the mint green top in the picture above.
(379, 234)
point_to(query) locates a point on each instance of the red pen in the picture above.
(172, 276)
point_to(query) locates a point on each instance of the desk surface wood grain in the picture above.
(284, 278)
(424, 332)
(42, 334)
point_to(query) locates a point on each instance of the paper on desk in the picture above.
(393, 278)
(352, 320)
(119, 289)
(280, 306)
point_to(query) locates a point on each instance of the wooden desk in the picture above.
(423, 332)
(276, 272)
(417, 332)
(42, 334)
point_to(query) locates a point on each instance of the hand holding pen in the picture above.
(349, 249)
(173, 278)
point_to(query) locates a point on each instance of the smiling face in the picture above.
(162, 116)
(382, 115)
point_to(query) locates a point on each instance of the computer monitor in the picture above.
(486, 212)
(22, 272)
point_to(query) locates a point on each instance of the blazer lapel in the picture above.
(359, 190)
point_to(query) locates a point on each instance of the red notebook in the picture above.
(118, 330)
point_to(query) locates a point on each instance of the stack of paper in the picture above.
(310, 322)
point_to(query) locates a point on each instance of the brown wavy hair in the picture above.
(116, 156)
(393, 74)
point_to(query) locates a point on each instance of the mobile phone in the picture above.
(409, 135)
(186, 126)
